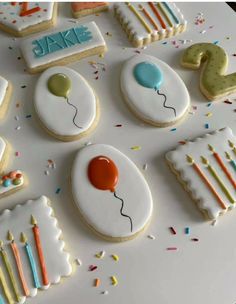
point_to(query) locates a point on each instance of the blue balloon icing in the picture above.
(148, 75)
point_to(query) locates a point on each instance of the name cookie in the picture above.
(150, 21)
(110, 192)
(24, 18)
(206, 167)
(214, 84)
(65, 103)
(147, 86)
(80, 9)
(32, 252)
(5, 96)
(62, 47)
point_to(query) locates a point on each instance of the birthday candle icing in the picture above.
(5, 288)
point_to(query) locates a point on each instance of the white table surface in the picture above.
(198, 272)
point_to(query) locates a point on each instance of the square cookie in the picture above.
(206, 167)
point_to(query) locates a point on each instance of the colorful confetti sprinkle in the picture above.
(114, 281)
(115, 257)
(174, 129)
(171, 248)
(227, 101)
(96, 282)
(136, 148)
(145, 166)
(92, 267)
(187, 230)
(172, 230)
(100, 255)
(78, 261)
(28, 116)
(195, 239)
(209, 114)
(105, 292)
(58, 190)
(151, 237)
(207, 126)
(17, 153)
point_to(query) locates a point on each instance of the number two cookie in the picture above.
(214, 83)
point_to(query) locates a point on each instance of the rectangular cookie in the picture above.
(5, 96)
(149, 21)
(23, 230)
(62, 47)
(80, 9)
(206, 167)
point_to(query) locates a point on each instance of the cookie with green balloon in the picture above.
(153, 91)
(66, 105)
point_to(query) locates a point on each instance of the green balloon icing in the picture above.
(59, 85)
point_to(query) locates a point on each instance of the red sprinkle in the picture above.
(17, 153)
(227, 101)
(118, 126)
(171, 248)
(182, 142)
(172, 230)
(92, 267)
(195, 239)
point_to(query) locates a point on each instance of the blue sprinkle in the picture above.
(58, 190)
(187, 230)
(207, 126)
(209, 104)
(174, 129)
(216, 42)
(28, 116)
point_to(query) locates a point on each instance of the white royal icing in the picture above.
(2, 148)
(10, 14)
(100, 209)
(199, 147)
(19, 220)
(56, 114)
(145, 102)
(67, 48)
(137, 29)
(4, 190)
(3, 89)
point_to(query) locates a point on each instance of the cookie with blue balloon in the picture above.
(66, 105)
(153, 91)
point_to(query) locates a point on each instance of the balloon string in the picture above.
(164, 104)
(121, 210)
(76, 111)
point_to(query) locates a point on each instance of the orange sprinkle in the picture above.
(96, 282)
(29, 12)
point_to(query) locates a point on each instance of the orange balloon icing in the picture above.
(103, 173)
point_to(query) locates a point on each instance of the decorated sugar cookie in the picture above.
(5, 96)
(110, 192)
(153, 91)
(80, 9)
(214, 84)
(62, 46)
(32, 252)
(206, 168)
(24, 18)
(11, 182)
(65, 103)
(149, 21)
(4, 150)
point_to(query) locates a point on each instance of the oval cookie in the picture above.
(112, 195)
(65, 103)
(153, 91)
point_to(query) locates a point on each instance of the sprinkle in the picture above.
(114, 280)
(174, 129)
(54, 165)
(17, 153)
(165, 42)
(172, 230)
(145, 166)
(16, 117)
(58, 190)
(207, 126)
(23, 87)
(105, 292)
(100, 255)
(214, 222)
(234, 55)
(151, 237)
(92, 267)
(171, 248)
(96, 282)
(118, 126)
(194, 107)
(78, 261)
(209, 104)
(28, 116)
(137, 51)
(227, 101)
(115, 257)
(195, 239)
(209, 114)
(17, 104)
(136, 148)
(46, 172)
(182, 142)
(216, 42)
(18, 128)
(88, 143)
(187, 230)
(108, 34)
(203, 32)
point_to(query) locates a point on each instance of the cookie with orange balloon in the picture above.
(110, 192)
(66, 105)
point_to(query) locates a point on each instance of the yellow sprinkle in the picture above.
(101, 55)
(114, 281)
(96, 282)
(209, 114)
(100, 255)
(136, 148)
(115, 257)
